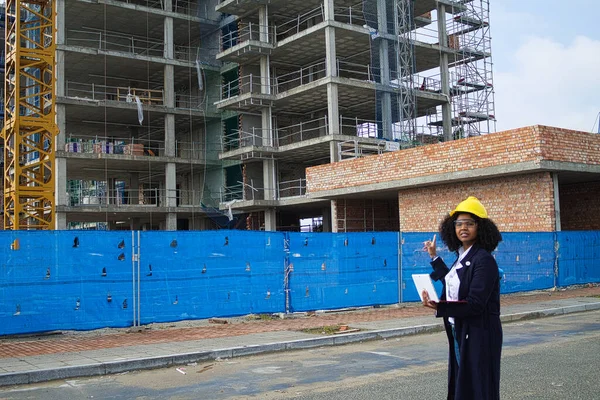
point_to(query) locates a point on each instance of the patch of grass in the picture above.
(260, 317)
(323, 330)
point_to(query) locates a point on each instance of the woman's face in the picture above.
(466, 229)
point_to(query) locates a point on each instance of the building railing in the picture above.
(306, 130)
(302, 131)
(352, 14)
(141, 46)
(239, 138)
(293, 188)
(101, 196)
(348, 14)
(123, 43)
(300, 23)
(246, 32)
(253, 83)
(233, 192)
(249, 192)
(244, 84)
(97, 92)
(300, 77)
(360, 127)
(187, 7)
(195, 102)
(116, 93)
(138, 147)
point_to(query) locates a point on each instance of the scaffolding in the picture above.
(472, 87)
(406, 97)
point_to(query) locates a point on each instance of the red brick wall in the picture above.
(580, 206)
(566, 145)
(521, 203)
(534, 143)
(366, 215)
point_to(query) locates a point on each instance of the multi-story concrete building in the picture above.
(139, 133)
(201, 114)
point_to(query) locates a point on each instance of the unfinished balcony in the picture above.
(247, 93)
(248, 42)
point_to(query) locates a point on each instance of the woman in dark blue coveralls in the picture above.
(470, 301)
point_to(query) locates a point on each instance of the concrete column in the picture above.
(385, 97)
(170, 185)
(61, 197)
(333, 116)
(269, 166)
(327, 220)
(169, 86)
(444, 72)
(265, 78)
(60, 221)
(333, 119)
(60, 164)
(270, 219)
(134, 189)
(263, 21)
(60, 177)
(384, 64)
(330, 54)
(134, 224)
(170, 135)
(60, 21)
(60, 81)
(334, 224)
(112, 191)
(557, 223)
(169, 99)
(171, 222)
(329, 10)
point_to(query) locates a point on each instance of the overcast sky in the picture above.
(546, 58)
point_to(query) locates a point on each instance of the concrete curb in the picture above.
(106, 368)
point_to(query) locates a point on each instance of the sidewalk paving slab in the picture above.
(35, 359)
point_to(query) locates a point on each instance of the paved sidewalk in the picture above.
(74, 354)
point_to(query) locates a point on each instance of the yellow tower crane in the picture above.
(29, 114)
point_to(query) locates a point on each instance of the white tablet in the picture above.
(424, 282)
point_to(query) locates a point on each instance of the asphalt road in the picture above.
(550, 358)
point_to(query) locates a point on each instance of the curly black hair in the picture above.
(488, 235)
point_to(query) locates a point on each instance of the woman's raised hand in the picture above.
(430, 247)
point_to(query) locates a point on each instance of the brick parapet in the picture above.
(529, 144)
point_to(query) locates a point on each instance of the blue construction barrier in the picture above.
(527, 259)
(578, 257)
(81, 280)
(342, 270)
(193, 275)
(64, 280)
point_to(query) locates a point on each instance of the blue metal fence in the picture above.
(79, 280)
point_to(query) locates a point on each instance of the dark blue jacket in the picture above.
(477, 325)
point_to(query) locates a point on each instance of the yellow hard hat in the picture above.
(471, 205)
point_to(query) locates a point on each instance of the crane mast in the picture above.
(30, 126)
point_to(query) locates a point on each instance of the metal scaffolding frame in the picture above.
(406, 96)
(472, 80)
